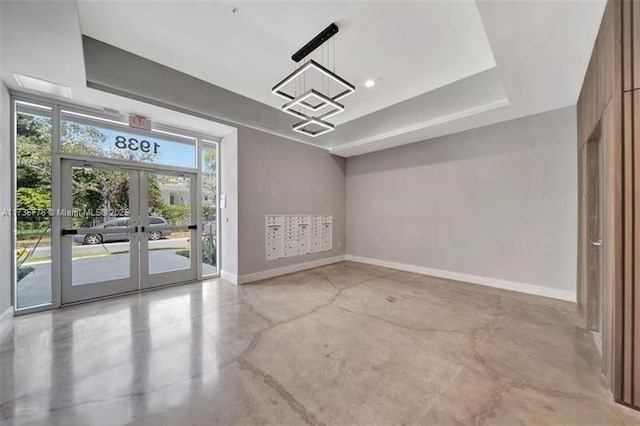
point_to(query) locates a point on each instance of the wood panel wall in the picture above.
(630, 182)
(609, 109)
(599, 117)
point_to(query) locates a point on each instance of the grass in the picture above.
(37, 259)
(46, 241)
(184, 253)
(187, 254)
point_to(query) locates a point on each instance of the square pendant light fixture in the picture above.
(313, 101)
(324, 101)
(305, 127)
(313, 65)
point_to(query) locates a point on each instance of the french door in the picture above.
(125, 229)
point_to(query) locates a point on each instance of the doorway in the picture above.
(113, 240)
(593, 199)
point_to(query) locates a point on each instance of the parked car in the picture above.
(123, 222)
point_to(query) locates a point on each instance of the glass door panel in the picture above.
(100, 221)
(168, 237)
(125, 229)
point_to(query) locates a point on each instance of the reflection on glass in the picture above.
(209, 210)
(101, 205)
(33, 198)
(169, 206)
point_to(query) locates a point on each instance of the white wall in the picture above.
(5, 197)
(281, 176)
(229, 214)
(496, 204)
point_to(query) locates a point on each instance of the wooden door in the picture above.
(593, 208)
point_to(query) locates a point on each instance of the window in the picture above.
(209, 206)
(82, 136)
(33, 202)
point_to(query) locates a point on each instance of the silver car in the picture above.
(123, 222)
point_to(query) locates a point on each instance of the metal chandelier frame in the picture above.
(304, 100)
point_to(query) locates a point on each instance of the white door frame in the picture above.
(74, 293)
(139, 228)
(148, 280)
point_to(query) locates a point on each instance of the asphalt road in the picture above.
(45, 251)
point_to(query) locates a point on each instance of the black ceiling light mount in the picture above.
(290, 86)
(317, 41)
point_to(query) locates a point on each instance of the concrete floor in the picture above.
(342, 344)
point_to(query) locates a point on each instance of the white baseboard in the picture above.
(6, 318)
(270, 273)
(537, 290)
(232, 278)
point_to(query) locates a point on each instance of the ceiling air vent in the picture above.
(38, 85)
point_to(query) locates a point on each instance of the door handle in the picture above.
(597, 243)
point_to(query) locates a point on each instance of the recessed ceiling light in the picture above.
(32, 83)
(370, 83)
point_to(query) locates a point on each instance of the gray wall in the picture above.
(278, 175)
(5, 197)
(229, 214)
(496, 202)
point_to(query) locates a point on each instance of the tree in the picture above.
(93, 188)
(34, 152)
(155, 194)
(111, 186)
(31, 201)
(177, 215)
(33, 173)
(106, 190)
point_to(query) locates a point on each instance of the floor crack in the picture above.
(308, 417)
(419, 329)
